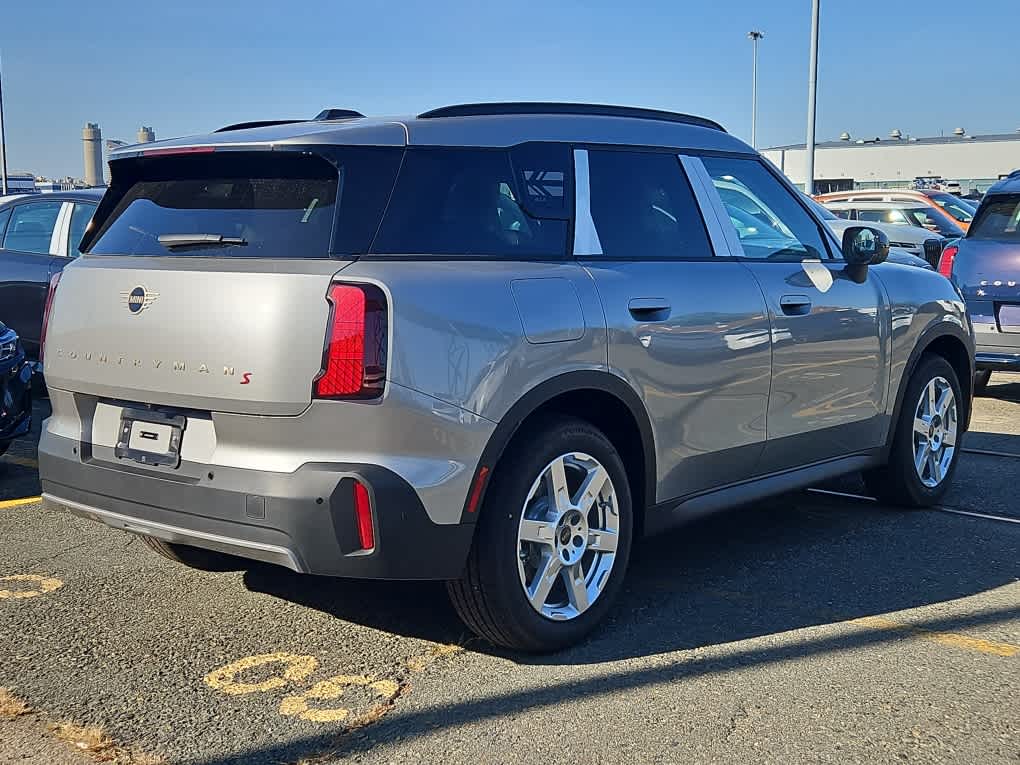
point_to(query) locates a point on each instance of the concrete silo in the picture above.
(92, 141)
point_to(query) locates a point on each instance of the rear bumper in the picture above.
(997, 362)
(302, 520)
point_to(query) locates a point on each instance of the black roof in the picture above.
(1008, 185)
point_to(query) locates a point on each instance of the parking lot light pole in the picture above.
(754, 36)
(3, 138)
(809, 185)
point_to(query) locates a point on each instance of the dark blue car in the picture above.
(15, 389)
(985, 265)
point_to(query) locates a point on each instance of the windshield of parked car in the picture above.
(998, 219)
(955, 206)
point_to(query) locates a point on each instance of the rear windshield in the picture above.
(998, 219)
(480, 202)
(247, 204)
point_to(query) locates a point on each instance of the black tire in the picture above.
(490, 598)
(195, 557)
(897, 483)
(981, 378)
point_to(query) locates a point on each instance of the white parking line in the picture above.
(939, 508)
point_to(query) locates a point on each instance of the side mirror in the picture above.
(863, 246)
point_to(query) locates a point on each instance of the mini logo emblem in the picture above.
(138, 299)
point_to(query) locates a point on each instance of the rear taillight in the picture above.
(947, 260)
(363, 516)
(354, 362)
(54, 281)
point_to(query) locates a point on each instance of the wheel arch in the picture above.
(601, 398)
(952, 343)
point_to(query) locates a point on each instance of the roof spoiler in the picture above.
(325, 114)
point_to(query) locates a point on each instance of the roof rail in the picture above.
(337, 114)
(254, 124)
(600, 110)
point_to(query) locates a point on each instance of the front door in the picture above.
(829, 331)
(688, 329)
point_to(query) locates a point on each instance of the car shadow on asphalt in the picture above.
(795, 561)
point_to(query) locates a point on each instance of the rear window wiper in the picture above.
(170, 241)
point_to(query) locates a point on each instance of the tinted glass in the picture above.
(479, 202)
(80, 217)
(998, 219)
(643, 207)
(933, 220)
(956, 207)
(31, 227)
(275, 206)
(769, 220)
(821, 211)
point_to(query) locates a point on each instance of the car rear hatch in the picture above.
(206, 279)
(987, 267)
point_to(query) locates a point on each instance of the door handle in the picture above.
(649, 309)
(795, 305)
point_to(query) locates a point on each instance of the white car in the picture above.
(910, 245)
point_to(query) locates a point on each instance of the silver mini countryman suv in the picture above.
(491, 344)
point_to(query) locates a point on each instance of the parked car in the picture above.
(960, 211)
(898, 214)
(986, 267)
(908, 245)
(39, 235)
(514, 338)
(15, 389)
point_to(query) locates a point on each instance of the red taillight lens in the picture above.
(54, 281)
(363, 516)
(947, 260)
(355, 358)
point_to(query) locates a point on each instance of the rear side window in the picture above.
(248, 204)
(480, 203)
(643, 207)
(30, 228)
(998, 219)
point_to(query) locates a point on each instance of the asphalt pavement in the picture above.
(814, 627)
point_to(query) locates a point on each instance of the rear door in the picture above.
(205, 279)
(829, 332)
(688, 327)
(27, 253)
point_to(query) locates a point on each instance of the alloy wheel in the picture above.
(568, 536)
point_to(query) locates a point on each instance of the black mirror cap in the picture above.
(864, 246)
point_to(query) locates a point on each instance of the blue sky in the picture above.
(185, 67)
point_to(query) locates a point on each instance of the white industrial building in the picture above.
(976, 161)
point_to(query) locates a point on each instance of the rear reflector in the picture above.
(178, 150)
(947, 260)
(354, 362)
(363, 517)
(54, 281)
(476, 490)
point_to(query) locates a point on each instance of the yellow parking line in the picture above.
(6, 504)
(951, 639)
(22, 461)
